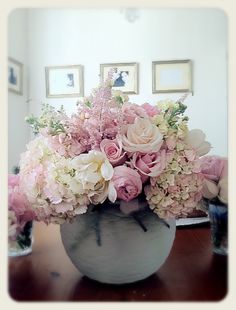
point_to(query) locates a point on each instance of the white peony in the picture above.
(93, 173)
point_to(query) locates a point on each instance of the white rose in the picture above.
(93, 173)
(142, 136)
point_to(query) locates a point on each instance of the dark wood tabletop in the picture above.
(191, 273)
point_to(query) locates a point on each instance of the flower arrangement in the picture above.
(20, 214)
(113, 150)
(215, 184)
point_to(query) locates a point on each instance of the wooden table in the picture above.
(191, 273)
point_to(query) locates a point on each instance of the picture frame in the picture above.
(15, 76)
(172, 76)
(64, 81)
(125, 76)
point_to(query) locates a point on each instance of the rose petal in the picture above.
(204, 149)
(210, 189)
(107, 171)
(195, 138)
(112, 194)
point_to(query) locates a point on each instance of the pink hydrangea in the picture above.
(19, 208)
(177, 197)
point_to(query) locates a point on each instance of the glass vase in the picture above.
(109, 246)
(23, 243)
(218, 214)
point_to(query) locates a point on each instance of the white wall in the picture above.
(18, 130)
(91, 37)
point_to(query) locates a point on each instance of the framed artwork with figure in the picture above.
(15, 76)
(172, 76)
(64, 81)
(125, 76)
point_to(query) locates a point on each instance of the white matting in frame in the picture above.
(172, 76)
(64, 81)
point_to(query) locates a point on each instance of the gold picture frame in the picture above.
(15, 76)
(172, 76)
(126, 78)
(64, 81)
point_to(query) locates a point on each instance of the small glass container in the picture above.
(23, 243)
(218, 214)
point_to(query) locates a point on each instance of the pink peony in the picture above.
(132, 111)
(127, 183)
(214, 167)
(113, 151)
(13, 180)
(149, 165)
(215, 172)
(150, 109)
(19, 209)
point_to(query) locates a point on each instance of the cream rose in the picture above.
(142, 136)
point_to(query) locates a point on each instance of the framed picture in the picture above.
(15, 76)
(64, 81)
(173, 76)
(125, 76)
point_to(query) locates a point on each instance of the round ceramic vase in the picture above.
(111, 247)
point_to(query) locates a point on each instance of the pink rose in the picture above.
(150, 109)
(132, 111)
(214, 167)
(149, 165)
(127, 183)
(113, 151)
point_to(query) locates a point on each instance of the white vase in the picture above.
(112, 247)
